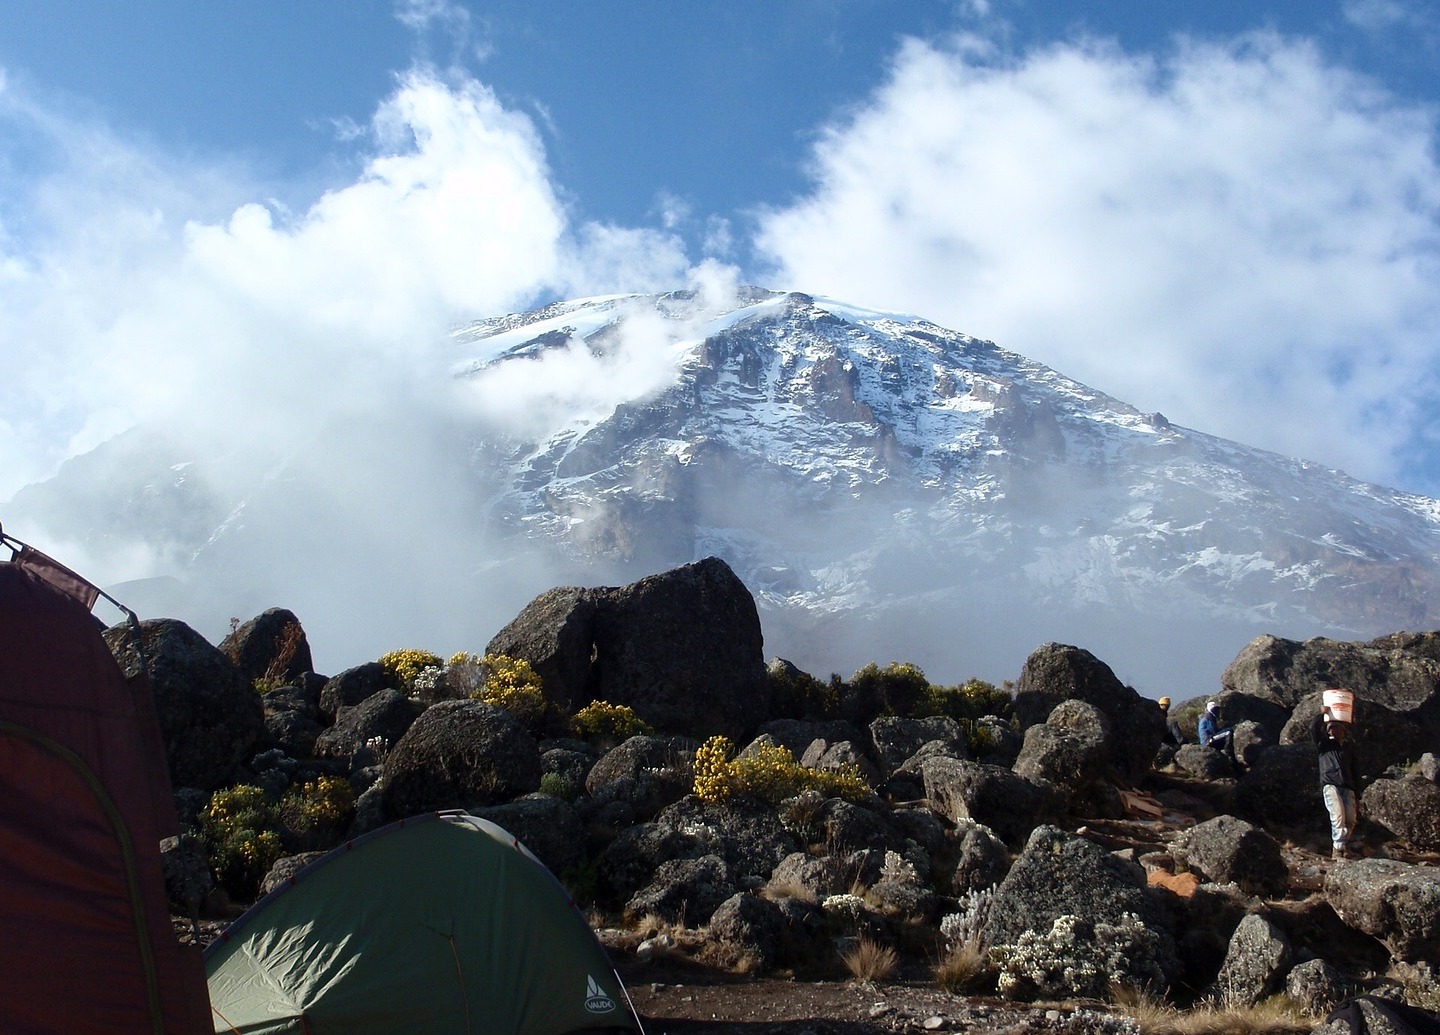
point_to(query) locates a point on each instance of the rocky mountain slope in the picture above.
(900, 487)
(890, 489)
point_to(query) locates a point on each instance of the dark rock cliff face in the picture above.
(211, 719)
(683, 648)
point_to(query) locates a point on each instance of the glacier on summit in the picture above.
(888, 489)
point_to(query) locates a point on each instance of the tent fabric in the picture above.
(439, 923)
(84, 802)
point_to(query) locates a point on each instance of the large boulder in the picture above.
(1056, 672)
(685, 891)
(1004, 801)
(1256, 963)
(211, 720)
(379, 721)
(271, 647)
(1409, 808)
(1380, 736)
(897, 737)
(684, 649)
(640, 754)
(751, 929)
(1070, 749)
(1400, 672)
(348, 688)
(1281, 789)
(459, 754)
(1227, 850)
(1063, 875)
(1396, 902)
(554, 633)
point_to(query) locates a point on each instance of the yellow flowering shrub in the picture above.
(403, 666)
(601, 720)
(238, 829)
(514, 685)
(770, 773)
(317, 813)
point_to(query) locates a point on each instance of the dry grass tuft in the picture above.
(870, 961)
(965, 968)
(777, 891)
(1278, 1015)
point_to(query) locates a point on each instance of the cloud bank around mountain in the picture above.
(1238, 234)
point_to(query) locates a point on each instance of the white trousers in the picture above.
(1340, 803)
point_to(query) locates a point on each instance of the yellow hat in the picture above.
(1164, 702)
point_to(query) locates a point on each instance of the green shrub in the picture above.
(239, 829)
(798, 695)
(603, 721)
(316, 815)
(970, 700)
(897, 689)
(557, 785)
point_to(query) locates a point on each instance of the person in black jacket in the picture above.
(1339, 782)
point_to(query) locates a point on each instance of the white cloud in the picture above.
(138, 288)
(1242, 236)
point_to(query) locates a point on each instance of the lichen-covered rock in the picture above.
(1062, 875)
(684, 891)
(1409, 808)
(1256, 963)
(1396, 902)
(292, 732)
(211, 720)
(379, 721)
(459, 754)
(348, 688)
(1227, 850)
(981, 858)
(1055, 672)
(1070, 749)
(270, 646)
(1204, 761)
(640, 754)
(1401, 672)
(285, 869)
(1429, 766)
(896, 738)
(809, 877)
(752, 928)
(1004, 801)
(1317, 986)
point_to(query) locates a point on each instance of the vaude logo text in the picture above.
(596, 1001)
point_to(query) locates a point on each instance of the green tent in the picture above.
(437, 924)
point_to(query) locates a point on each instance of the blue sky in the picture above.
(1228, 212)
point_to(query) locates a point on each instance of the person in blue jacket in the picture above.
(1214, 733)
